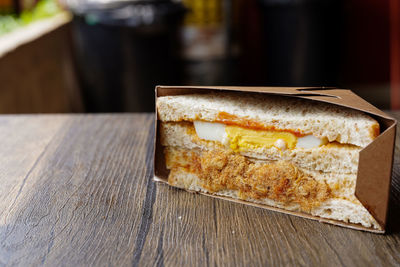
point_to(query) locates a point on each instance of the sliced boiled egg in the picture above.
(239, 138)
(211, 131)
(309, 141)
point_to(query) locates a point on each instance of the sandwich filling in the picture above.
(240, 138)
(278, 183)
(219, 170)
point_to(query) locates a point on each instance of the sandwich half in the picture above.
(290, 153)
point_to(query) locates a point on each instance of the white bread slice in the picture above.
(336, 123)
(341, 209)
(335, 158)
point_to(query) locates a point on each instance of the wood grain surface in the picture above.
(77, 190)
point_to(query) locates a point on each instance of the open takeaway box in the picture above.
(375, 160)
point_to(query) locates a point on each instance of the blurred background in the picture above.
(108, 55)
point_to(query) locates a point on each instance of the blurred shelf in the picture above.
(10, 41)
(36, 69)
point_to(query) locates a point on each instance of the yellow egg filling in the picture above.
(242, 139)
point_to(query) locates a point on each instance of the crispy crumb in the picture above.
(280, 181)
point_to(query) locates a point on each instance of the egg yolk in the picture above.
(242, 139)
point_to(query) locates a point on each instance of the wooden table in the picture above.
(77, 190)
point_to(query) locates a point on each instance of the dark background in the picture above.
(109, 58)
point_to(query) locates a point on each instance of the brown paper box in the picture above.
(375, 162)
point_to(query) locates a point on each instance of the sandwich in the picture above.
(289, 153)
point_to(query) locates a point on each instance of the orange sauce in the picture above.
(230, 119)
(375, 131)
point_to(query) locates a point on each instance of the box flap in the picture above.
(341, 97)
(374, 174)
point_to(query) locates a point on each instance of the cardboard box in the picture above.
(375, 161)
